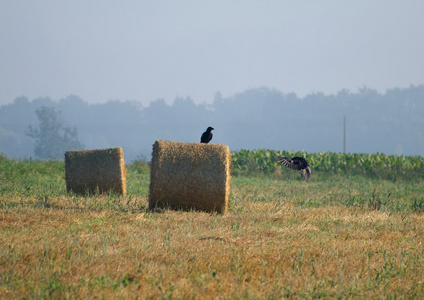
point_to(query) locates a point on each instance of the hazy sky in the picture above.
(144, 50)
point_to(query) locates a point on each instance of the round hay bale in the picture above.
(98, 170)
(190, 176)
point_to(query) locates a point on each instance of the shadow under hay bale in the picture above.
(190, 176)
(92, 171)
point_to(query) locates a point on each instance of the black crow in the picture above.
(207, 135)
(297, 163)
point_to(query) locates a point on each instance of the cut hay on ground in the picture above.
(190, 176)
(92, 171)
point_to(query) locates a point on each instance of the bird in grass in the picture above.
(298, 164)
(207, 135)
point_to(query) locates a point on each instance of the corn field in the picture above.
(376, 164)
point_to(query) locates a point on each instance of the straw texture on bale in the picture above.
(190, 176)
(92, 171)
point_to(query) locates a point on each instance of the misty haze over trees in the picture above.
(52, 139)
(390, 123)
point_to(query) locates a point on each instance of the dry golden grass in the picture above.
(267, 245)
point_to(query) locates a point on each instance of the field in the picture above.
(345, 234)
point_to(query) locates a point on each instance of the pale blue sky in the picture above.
(106, 50)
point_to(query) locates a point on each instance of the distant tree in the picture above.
(52, 139)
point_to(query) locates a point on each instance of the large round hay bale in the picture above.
(190, 176)
(98, 170)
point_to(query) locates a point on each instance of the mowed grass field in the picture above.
(334, 237)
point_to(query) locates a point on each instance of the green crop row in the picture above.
(376, 164)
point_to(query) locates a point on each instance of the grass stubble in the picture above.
(338, 238)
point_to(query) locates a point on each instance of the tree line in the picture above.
(260, 118)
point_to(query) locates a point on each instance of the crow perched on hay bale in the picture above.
(207, 135)
(298, 164)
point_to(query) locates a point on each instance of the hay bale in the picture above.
(92, 171)
(190, 176)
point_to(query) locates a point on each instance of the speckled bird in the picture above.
(298, 164)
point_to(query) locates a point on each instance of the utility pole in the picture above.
(344, 135)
